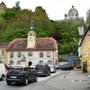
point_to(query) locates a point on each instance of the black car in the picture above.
(21, 75)
(42, 70)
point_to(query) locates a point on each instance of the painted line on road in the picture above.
(62, 77)
(73, 81)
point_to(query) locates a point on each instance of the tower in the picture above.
(2, 5)
(31, 37)
(72, 14)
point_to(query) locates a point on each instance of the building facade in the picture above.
(2, 5)
(3, 46)
(37, 50)
(84, 49)
(73, 16)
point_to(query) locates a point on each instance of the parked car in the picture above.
(33, 66)
(2, 71)
(21, 75)
(42, 70)
(59, 67)
(67, 67)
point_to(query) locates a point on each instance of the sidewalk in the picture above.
(78, 75)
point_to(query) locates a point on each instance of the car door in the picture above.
(31, 74)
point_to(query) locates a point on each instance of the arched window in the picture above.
(41, 54)
(11, 62)
(18, 62)
(49, 62)
(40, 61)
(19, 54)
(48, 54)
(2, 52)
(11, 55)
(30, 54)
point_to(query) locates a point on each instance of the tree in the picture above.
(88, 17)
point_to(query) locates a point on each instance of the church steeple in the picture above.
(31, 38)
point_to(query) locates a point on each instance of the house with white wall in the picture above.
(37, 50)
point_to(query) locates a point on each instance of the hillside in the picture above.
(15, 23)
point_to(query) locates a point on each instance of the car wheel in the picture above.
(8, 83)
(2, 77)
(35, 79)
(26, 81)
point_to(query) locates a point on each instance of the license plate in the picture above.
(39, 72)
(13, 77)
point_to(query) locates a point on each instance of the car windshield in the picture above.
(15, 69)
(39, 67)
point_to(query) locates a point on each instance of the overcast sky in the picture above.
(54, 8)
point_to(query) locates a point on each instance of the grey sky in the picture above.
(54, 8)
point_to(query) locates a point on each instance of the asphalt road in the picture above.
(65, 80)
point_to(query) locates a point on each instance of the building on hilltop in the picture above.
(73, 16)
(2, 5)
(37, 50)
(2, 9)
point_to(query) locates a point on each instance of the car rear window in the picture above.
(39, 67)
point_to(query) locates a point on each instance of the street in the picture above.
(62, 80)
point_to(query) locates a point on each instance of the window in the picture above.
(49, 62)
(41, 54)
(48, 54)
(41, 62)
(11, 62)
(30, 54)
(11, 55)
(18, 62)
(2, 52)
(19, 55)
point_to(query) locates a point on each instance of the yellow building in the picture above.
(84, 48)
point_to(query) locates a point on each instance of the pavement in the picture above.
(78, 75)
(53, 75)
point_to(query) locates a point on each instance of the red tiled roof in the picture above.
(20, 44)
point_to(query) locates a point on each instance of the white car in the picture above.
(2, 71)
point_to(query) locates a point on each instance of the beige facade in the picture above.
(36, 50)
(84, 49)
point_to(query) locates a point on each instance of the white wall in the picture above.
(35, 57)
